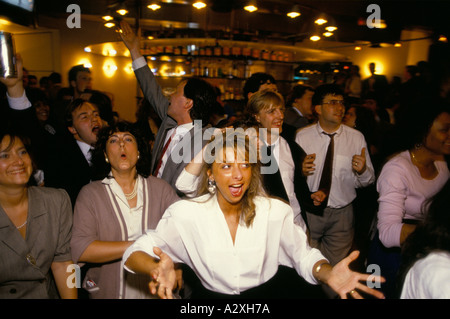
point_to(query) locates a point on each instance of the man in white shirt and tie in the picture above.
(331, 230)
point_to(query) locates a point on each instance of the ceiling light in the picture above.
(357, 48)
(122, 12)
(328, 34)
(294, 13)
(331, 28)
(251, 6)
(109, 24)
(320, 21)
(107, 17)
(199, 5)
(154, 6)
(315, 38)
(122, 9)
(397, 45)
(443, 38)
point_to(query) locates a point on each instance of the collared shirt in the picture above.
(347, 142)
(86, 150)
(138, 63)
(195, 232)
(18, 103)
(188, 183)
(132, 216)
(133, 220)
(298, 111)
(286, 165)
(428, 278)
(177, 134)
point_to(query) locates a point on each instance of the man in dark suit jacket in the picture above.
(184, 117)
(69, 162)
(299, 112)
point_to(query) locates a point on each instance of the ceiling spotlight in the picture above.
(357, 48)
(331, 28)
(443, 38)
(109, 24)
(397, 44)
(199, 5)
(122, 9)
(251, 6)
(107, 17)
(315, 38)
(154, 6)
(320, 21)
(328, 34)
(294, 13)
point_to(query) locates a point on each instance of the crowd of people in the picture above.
(293, 198)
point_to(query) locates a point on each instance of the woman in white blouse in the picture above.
(233, 236)
(115, 210)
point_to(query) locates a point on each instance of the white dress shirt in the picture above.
(187, 183)
(85, 149)
(18, 103)
(177, 134)
(286, 165)
(134, 287)
(347, 142)
(196, 233)
(428, 278)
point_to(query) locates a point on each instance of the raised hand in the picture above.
(131, 40)
(15, 85)
(164, 277)
(359, 161)
(308, 166)
(347, 282)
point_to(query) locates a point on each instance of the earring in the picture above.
(211, 186)
(106, 159)
(418, 146)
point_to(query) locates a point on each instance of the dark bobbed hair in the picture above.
(418, 119)
(255, 81)
(203, 96)
(14, 133)
(324, 90)
(101, 167)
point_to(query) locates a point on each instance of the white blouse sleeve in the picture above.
(165, 236)
(295, 250)
(187, 183)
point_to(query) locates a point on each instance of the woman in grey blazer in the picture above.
(35, 230)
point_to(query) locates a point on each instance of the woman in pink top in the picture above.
(405, 183)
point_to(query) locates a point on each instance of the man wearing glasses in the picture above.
(337, 162)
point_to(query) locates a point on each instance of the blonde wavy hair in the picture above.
(244, 149)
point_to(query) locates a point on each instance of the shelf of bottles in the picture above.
(226, 65)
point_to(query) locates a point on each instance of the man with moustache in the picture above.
(331, 228)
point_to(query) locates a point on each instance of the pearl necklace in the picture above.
(19, 227)
(133, 194)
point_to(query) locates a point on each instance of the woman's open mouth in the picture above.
(236, 190)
